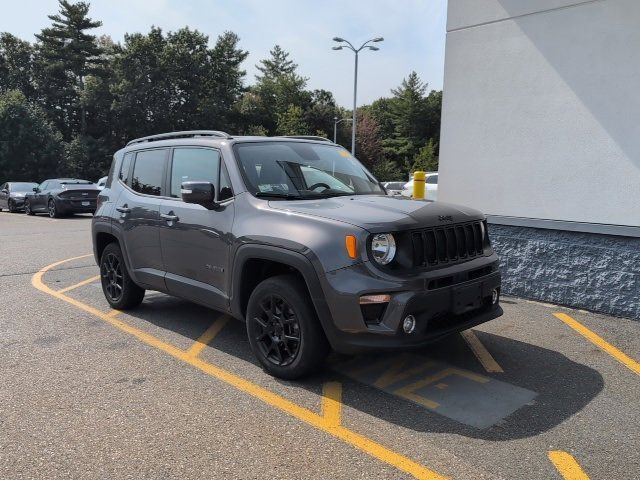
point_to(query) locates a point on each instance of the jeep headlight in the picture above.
(383, 248)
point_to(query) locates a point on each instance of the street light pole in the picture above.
(356, 51)
(335, 127)
(355, 95)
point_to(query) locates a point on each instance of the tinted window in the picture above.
(147, 172)
(3, 187)
(433, 179)
(194, 164)
(124, 168)
(285, 169)
(23, 187)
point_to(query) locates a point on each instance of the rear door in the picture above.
(138, 218)
(194, 239)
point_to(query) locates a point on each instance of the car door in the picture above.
(4, 195)
(138, 218)
(195, 240)
(37, 199)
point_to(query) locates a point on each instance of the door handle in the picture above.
(123, 209)
(169, 217)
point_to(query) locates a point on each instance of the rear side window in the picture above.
(433, 179)
(148, 171)
(125, 167)
(194, 164)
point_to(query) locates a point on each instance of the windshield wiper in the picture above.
(279, 195)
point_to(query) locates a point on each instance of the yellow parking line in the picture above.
(332, 403)
(350, 437)
(620, 356)
(567, 466)
(113, 313)
(80, 284)
(209, 334)
(480, 351)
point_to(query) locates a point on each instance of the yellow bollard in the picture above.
(418, 185)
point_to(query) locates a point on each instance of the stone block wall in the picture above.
(595, 272)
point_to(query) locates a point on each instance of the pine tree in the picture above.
(279, 64)
(67, 55)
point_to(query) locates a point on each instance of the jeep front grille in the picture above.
(444, 245)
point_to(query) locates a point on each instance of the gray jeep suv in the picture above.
(294, 237)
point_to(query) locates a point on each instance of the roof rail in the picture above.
(187, 133)
(307, 137)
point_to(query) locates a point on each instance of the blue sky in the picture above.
(414, 32)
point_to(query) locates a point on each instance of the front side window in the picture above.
(432, 179)
(303, 170)
(147, 172)
(43, 186)
(194, 164)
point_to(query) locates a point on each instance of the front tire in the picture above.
(27, 208)
(118, 287)
(283, 329)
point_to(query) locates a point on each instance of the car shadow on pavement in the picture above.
(539, 389)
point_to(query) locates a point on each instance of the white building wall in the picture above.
(541, 112)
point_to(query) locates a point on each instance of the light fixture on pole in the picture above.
(347, 44)
(335, 126)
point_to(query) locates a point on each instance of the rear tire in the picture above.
(119, 289)
(52, 209)
(283, 328)
(27, 207)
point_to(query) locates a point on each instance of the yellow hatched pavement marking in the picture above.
(332, 403)
(209, 334)
(325, 424)
(79, 284)
(567, 466)
(482, 354)
(619, 355)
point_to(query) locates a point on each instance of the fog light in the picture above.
(494, 296)
(409, 324)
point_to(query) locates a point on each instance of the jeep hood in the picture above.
(381, 212)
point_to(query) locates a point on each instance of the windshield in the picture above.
(303, 170)
(23, 187)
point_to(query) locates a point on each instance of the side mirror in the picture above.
(36, 189)
(5, 191)
(200, 193)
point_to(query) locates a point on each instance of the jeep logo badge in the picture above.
(445, 218)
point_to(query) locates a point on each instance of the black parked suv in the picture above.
(62, 196)
(294, 237)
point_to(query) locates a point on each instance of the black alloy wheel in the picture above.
(51, 208)
(112, 277)
(27, 207)
(119, 289)
(278, 330)
(283, 329)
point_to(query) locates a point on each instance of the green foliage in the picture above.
(291, 122)
(30, 146)
(71, 99)
(387, 171)
(426, 159)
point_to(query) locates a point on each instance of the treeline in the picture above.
(71, 99)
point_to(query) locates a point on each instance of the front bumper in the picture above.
(461, 304)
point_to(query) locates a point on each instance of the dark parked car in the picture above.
(294, 237)
(62, 196)
(12, 195)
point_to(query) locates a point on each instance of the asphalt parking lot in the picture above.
(171, 390)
